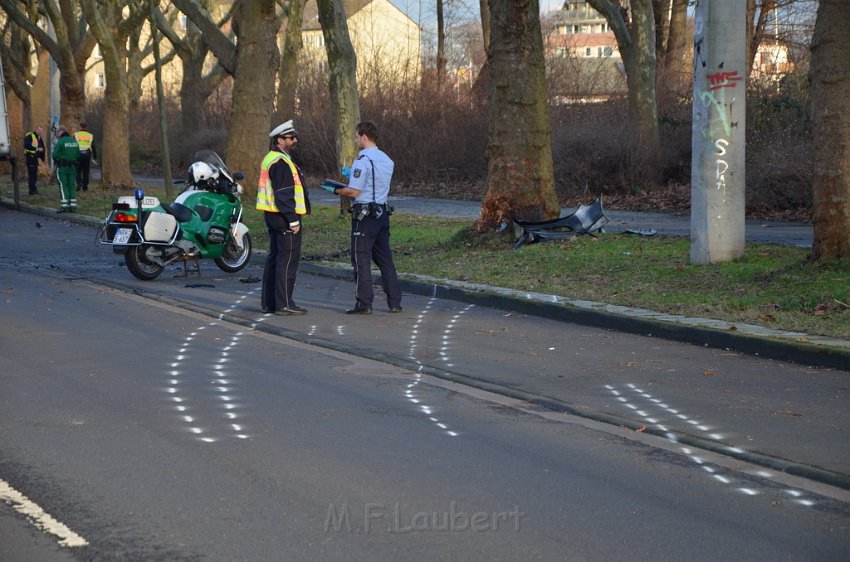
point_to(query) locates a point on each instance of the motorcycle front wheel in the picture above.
(139, 264)
(233, 258)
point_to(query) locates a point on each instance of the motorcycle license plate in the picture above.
(122, 235)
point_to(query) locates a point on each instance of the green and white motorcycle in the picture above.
(203, 222)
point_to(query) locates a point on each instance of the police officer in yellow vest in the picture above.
(33, 152)
(282, 195)
(87, 154)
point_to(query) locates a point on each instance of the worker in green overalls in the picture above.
(65, 155)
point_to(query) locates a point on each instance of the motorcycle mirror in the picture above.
(139, 193)
(238, 176)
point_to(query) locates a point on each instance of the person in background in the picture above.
(88, 154)
(282, 196)
(369, 186)
(33, 152)
(65, 155)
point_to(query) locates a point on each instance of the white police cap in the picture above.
(284, 129)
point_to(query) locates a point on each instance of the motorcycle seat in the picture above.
(179, 211)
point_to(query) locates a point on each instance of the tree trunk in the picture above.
(677, 67)
(70, 49)
(636, 42)
(116, 116)
(288, 75)
(520, 182)
(756, 24)
(830, 79)
(441, 51)
(256, 26)
(342, 76)
(160, 102)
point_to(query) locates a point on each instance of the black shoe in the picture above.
(291, 311)
(267, 310)
(395, 309)
(358, 310)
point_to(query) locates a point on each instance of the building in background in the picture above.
(583, 61)
(387, 42)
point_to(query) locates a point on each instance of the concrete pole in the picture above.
(719, 132)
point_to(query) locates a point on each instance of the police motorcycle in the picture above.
(203, 222)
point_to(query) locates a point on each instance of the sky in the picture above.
(425, 12)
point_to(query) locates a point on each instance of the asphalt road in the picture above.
(172, 420)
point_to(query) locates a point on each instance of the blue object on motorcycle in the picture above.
(139, 193)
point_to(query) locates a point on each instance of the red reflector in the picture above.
(124, 217)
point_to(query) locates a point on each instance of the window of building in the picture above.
(588, 52)
(100, 80)
(609, 51)
(184, 21)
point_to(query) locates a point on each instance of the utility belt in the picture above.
(360, 211)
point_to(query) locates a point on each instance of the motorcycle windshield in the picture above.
(213, 159)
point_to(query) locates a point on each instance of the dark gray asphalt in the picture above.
(109, 450)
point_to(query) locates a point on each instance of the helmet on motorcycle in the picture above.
(203, 175)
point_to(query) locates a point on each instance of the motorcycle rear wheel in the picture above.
(140, 266)
(233, 258)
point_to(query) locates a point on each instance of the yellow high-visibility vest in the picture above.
(84, 139)
(265, 192)
(34, 138)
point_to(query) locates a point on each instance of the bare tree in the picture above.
(342, 77)
(636, 42)
(441, 49)
(71, 48)
(677, 66)
(830, 78)
(520, 182)
(250, 61)
(288, 73)
(17, 69)
(196, 85)
(112, 28)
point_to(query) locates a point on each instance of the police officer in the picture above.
(88, 153)
(65, 154)
(369, 185)
(282, 196)
(33, 152)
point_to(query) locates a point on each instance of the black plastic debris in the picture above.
(641, 231)
(585, 220)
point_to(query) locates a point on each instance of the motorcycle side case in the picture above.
(160, 227)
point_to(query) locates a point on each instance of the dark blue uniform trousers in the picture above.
(370, 240)
(281, 267)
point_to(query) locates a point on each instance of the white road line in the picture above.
(39, 517)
